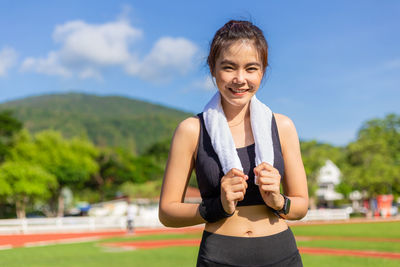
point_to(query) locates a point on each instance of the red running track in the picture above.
(19, 240)
(27, 240)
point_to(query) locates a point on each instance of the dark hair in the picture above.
(235, 30)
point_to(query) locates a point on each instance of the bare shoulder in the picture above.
(188, 131)
(189, 127)
(286, 129)
(284, 123)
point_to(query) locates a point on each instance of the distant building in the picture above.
(145, 210)
(328, 177)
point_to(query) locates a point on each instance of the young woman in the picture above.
(244, 218)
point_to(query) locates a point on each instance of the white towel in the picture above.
(222, 140)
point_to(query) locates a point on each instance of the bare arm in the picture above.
(172, 211)
(295, 180)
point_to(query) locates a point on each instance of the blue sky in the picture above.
(333, 64)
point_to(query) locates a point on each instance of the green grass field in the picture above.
(90, 254)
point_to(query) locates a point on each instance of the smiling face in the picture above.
(238, 73)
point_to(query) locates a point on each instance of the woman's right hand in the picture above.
(233, 189)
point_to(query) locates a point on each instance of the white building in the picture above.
(328, 177)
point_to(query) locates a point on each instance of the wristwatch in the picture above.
(286, 205)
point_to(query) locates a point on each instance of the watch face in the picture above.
(287, 205)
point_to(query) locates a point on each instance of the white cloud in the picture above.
(50, 65)
(85, 49)
(105, 44)
(168, 56)
(8, 58)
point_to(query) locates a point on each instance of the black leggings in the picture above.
(275, 250)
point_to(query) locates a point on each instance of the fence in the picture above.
(146, 217)
(327, 215)
(62, 224)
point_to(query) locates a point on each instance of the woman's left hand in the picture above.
(269, 181)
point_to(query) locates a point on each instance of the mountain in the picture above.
(107, 120)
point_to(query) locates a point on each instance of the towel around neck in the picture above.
(221, 138)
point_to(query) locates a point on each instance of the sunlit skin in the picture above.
(237, 69)
(238, 74)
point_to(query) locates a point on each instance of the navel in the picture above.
(249, 233)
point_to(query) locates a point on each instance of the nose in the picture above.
(239, 77)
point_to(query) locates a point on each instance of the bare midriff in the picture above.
(249, 221)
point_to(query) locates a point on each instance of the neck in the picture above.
(235, 113)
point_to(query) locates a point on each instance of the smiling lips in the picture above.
(238, 92)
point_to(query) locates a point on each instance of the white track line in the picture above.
(4, 247)
(62, 241)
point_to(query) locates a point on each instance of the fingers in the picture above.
(272, 179)
(235, 172)
(235, 196)
(239, 187)
(268, 184)
(238, 196)
(270, 188)
(237, 180)
(264, 167)
(234, 185)
(269, 178)
(233, 177)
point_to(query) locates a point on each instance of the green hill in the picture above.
(106, 120)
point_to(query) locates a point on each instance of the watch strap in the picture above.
(285, 209)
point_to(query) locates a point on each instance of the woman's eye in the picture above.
(227, 68)
(252, 69)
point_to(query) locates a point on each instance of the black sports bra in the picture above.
(209, 171)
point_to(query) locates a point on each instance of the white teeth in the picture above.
(238, 90)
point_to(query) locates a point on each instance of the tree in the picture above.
(122, 171)
(72, 162)
(374, 158)
(8, 127)
(23, 182)
(117, 166)
(159, 150)
(150, 189)
(314, 155)
(114, 169)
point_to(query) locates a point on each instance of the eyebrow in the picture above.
(228, 62)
